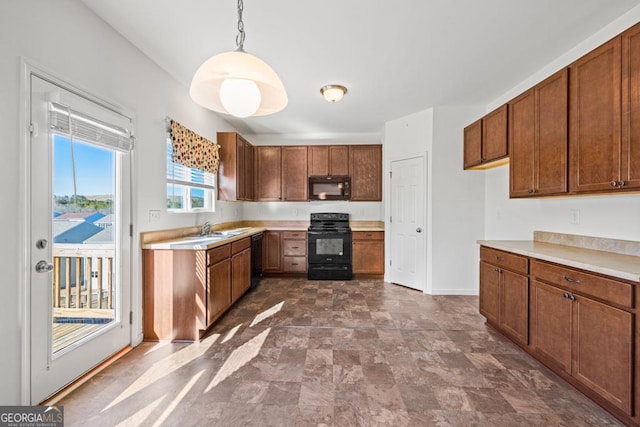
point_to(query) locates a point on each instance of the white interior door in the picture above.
(408, 230)
(79, 244)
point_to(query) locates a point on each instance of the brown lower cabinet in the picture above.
(368, 252)
(580, 324)
(504, 293)
(179, 302)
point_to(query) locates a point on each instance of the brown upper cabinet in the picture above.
(538, 139)
(630, 163)
(485, 141)
(473, 144)
(365, 166)
(294, 173)
(269, 173)
(605, 116)
(236, 170)
(328, 160)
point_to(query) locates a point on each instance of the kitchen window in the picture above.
(188, 189)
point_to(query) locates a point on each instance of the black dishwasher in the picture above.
(256, 259)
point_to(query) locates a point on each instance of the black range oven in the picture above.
(329, 254)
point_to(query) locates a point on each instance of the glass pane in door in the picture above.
(84, 248)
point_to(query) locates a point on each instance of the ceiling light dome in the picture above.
(333, 93)
(238, 83)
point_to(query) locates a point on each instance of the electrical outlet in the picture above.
(154, 216)
(574, 216)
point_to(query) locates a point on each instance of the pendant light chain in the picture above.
(240, 36)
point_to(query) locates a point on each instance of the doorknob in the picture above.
(419, 230)
(43, 267)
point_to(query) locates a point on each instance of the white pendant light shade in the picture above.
(229, 75)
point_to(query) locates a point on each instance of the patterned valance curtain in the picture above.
(192, 150)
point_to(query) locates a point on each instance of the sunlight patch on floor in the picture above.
(267, 313)
(141, 416)
(239, 357)
(164, 367)
(175, 402)
(230, 334)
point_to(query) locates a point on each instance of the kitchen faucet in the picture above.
(205, 229)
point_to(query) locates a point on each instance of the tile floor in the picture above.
(321, 353)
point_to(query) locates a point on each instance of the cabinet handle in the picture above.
(498, 270)
(294, 263)
(621, 184)
(565, 295)
(499, 258)
(294, 247)
(570, 280)
(531, 191)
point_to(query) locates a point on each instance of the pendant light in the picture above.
(238, 83)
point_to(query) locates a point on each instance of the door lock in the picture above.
(43, 267)
(41, 244)
(418, 230)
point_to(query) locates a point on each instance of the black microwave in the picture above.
(329, 188)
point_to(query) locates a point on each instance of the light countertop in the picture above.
(612, 264)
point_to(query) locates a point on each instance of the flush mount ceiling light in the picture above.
(333, 93)
(238, 83)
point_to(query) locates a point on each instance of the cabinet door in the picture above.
(240, 274)
(595, 115)
(294, 173)
(318, 160)
(272, 250)
(551, 324)
(490, 292)
(602, 350)
(228, 166)
(473, 144)
(339, 160)
(249, 172)
(269, 179)
(630, 163)
(241, 145)
(365, 164)
(514, 314)
(494, 135)
(368, 257)
(219, 289)
(522, 145)
(552, 134)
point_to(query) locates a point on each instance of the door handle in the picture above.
(418, 230)
(43, 267)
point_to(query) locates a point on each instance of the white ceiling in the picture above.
(396, 57)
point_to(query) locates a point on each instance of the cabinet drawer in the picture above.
(295, 264)
(368, 235)
(216, 255)
(295, 247)
(294, 234)
(240, 245)
(507, 260)
(606, 289)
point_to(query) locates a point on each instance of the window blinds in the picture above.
(66, 121)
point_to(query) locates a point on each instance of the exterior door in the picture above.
(79, 244)
(408, 232)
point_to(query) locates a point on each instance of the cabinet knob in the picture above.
(498, 270)
(531, 191)
(621, 184)
(613, 184)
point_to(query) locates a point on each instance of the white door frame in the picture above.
(427, 227)
(28, 68)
